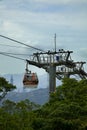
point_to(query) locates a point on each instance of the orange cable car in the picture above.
(30, 79)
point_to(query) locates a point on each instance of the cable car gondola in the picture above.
(30, 79)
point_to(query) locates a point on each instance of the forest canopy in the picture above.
(65, 110)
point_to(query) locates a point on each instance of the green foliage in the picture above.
(22, 106)
(5, 86)
(66, 110)
(67, 107)
(9, 106)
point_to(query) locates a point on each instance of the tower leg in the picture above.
(52, 78)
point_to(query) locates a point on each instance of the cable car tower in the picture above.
(58, 64)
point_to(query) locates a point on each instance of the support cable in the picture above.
(8, 53)
(21, 43)
(18, 47)
(12, 56)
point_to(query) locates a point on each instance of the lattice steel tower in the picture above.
(58, 64)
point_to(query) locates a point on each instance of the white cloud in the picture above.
(50, 2)
(37, 28)
(83, 52)
(60, 1)
(46, 19)
(11, 28)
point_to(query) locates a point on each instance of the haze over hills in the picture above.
(39, 95)
(18, 78)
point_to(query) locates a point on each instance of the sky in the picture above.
(34, 22)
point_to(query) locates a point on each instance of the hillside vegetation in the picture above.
(66, 110)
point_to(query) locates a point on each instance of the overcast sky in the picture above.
(35, 22)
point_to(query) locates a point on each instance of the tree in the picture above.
(5, 86)
(67, 107)
(9, 106)
(26, 105)
(66, 110)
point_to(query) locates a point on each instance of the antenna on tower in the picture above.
(55, 41)
(11, 79)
